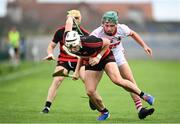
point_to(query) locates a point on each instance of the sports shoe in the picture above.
(91, 105)
(149, 99)
(145, 112)
(103, 116)
(46, 110)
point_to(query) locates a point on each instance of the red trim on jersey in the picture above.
(97, 44)
(106, 53)
(61, 27)
(114, 45)
(67, 59)
(64, 55)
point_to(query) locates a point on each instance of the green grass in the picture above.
(23, 92)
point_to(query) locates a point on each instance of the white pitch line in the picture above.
(19, 74)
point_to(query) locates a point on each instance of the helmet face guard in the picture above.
(72, 39)
(110, 16)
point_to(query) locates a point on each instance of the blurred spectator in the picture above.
(23, 47)
(14, 45)
(35, 53)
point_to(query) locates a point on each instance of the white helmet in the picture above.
(72, 39)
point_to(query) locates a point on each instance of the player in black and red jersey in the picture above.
(99, 57)
(64, 61)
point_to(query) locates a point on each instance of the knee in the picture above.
(57, 81)
(116, 80)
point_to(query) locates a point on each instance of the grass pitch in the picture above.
(23, 91)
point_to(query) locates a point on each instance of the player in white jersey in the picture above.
(115, 32)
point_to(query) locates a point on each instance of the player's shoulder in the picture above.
(60, 29)
(90, 38)
(98, 29)
(123, 29)
(91, 41)
(122, 26)
(85, 38)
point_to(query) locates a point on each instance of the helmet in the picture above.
(110, 16)
(76, 14)
(72, 39)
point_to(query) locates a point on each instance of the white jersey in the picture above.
(116, 46)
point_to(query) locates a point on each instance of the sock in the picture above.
(48, 104)
(104, 110)
(138, 104)
(141, 94)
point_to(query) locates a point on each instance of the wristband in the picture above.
(99, 56)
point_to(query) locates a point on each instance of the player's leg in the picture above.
(126, 73)
(92, 79)
(17, 55)
(53, 89)
(82, 76)
(82, 73)
(114, 74)
(11, 52)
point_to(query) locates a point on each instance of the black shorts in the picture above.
(70, 66)
(101, 65)
(16, 50)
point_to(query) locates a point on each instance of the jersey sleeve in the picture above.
(58, 36)
(94, 33)
(125, 30)
(92, 41)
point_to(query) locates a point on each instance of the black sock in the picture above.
(104, 110)
(141, 94)
(48, 104)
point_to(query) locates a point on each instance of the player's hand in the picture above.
(93, 61)
(75, 76)
(148, 50)
(49, 57)
(70, 15)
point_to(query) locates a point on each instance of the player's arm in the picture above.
(95, 60)
(140, 41)
(76, 72)
(105, 46)
(69, 23)
(50, 51)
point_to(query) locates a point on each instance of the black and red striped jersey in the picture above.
(91, 46)
(59, 38)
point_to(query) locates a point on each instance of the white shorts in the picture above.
(119, 57)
